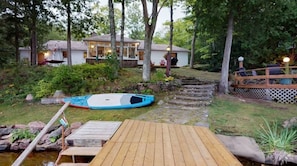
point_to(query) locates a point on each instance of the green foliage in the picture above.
(68, 79)
(19, 80)
(22, 134)
(272, 137)
(112, 67)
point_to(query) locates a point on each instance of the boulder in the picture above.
(4, 145)
(24, 143)
(56, 133)
(290, 122)
(36, 126)
(5, 131)
(20, 126)
(243, 147)
(76, 125)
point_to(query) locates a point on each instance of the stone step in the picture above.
(195, 98)
(195, 94)
(206, 91)
(191, 82)
(205, 86)
(189, 103)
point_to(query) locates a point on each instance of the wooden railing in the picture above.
(270, 77)
(32, 145)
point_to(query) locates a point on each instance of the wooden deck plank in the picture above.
(112, 154)
(129, 160)
(145, 132)
(138, 132)
(159, 152)
(203, 150)
(211, 148)
(148, 143)
(226, 154)
(121, 154)
(132, 132)
(93, 133)
(122, 131)
(81, 151)
(149, 154)
(176, 149)
(74, 164)
(139, 157)
(168, 155)
(186, 153)
(98, 160)
(152, 133)
(193, 146)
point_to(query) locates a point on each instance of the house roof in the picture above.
(62, 45)
(106, 38)
(162, 47)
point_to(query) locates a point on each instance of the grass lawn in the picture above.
(227, 114)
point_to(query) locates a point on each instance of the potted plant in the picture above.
(286, 81)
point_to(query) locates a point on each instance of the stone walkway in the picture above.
(188, 105)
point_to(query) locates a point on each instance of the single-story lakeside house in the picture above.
(96, 48)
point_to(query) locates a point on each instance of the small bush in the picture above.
(22, 134)
(272, 138)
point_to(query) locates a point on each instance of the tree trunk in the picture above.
(112, 27)
(224, 86)
(150, 26)
(168, 73)
(122, 33)
(193, 44)
(16, 37)
(69, 58)
(34, 37)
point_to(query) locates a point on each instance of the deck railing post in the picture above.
(32, 145)
(267, 76)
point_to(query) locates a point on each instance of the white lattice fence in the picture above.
(279, 95)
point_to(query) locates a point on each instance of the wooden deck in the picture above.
(93, 133)
(147, 143)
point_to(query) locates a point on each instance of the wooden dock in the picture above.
(88, 140)
(147, 143)
(93, 134)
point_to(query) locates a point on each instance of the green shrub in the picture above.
(68, 79)
(272, 137)
(22, 134)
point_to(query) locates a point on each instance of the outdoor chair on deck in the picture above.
(274, 69)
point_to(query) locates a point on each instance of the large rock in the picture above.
(36, 126)
(290, 122)
(243, 147)
(5, 131)
(4, 145)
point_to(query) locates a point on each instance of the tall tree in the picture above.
(112, 27)
(150, 22)
(224, 85)
(78, 19)
(135, 25)
(101, 19)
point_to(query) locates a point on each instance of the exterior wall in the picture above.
(77, 56)
(157, 56)
(25, 55)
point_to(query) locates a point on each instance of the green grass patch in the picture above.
(232, 116)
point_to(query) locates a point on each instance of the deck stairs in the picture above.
(88, 140)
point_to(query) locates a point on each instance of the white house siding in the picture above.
(25, 55)
(78, 57)
(157, 56)
(183, 59)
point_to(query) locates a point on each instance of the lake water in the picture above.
(33, 159)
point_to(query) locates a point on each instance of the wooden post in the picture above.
(32, 145)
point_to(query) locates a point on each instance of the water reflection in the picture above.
(33, 159)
